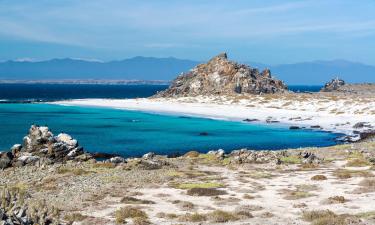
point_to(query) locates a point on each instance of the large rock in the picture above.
(333, 85)
(40, 146)
(220, 76)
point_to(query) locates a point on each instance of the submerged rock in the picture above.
(220, 76)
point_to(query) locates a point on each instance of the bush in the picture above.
(319, 177)
(205, 192)
(129, 212)
(132, 200)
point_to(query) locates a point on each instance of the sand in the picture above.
(331, 113)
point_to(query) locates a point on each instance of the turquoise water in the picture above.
(131, 133)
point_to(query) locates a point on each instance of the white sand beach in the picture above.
(330, 112)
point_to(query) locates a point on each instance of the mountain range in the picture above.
(150, 68)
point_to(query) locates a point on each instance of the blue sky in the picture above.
(271, 31)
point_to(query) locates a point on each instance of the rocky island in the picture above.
(220, 76)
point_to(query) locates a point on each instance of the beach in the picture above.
(329, 112)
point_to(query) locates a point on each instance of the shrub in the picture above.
(132, 200)
(219, 216)
(195, 217)
(74, 217)
(358, 162)
(205, 192)
(128, 212)
(199, 185)
(319, 177)
(336, 199)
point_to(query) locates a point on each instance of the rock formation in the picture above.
(221, 76)
(41, 146)
(333, 85)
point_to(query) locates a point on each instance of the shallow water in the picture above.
(132, 133)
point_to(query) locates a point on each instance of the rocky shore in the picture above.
(329, 185)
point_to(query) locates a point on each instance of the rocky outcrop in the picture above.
(41, 146)
(15, 210)
(220, 76)
(333, 85)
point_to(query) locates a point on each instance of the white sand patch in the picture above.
(330, 113)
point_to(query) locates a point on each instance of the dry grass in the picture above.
(217, 216)
(199, 185)
(358, 162)
(130, 212)
(346, 174)
(104, 165)
(336, 200)
(366, 185)
(319, 177)
(192, 154)
(132, 200)
(74, 171)
(325, 217)
(74, 217)
(205, 192)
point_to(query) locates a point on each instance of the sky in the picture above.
(270, 32)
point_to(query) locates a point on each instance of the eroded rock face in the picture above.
(333, 85)
(220, 76)
(41, 146)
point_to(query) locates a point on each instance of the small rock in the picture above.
(294, 128)
(117, 160)
(149, 155)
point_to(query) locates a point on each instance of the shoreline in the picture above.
(224, 109)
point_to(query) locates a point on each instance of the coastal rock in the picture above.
(148, 156)
(361, 125)
(249, 156)
(333, 85)
(67, 139)
(5, 160)
(218, 154)
(41, 146)
(220, 76)
(310, 158)
(294, 128)
(116, 160)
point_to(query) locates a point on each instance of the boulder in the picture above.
(116, 160)
(220, 76)
(148, 156)
(218, 154)
(41, 146)
(310, 158)
(249, 156)
(5, 160)
(67, 139)
(333, 85)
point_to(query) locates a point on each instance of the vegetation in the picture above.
(130, 212)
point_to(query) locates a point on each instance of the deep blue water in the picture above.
(131, 133)
(52, 92)
(305, 88)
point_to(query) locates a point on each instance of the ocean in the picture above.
(133, 133)
(54, 92)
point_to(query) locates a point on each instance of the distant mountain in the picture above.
(149, 68)
(320, 72)
(139, 68)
